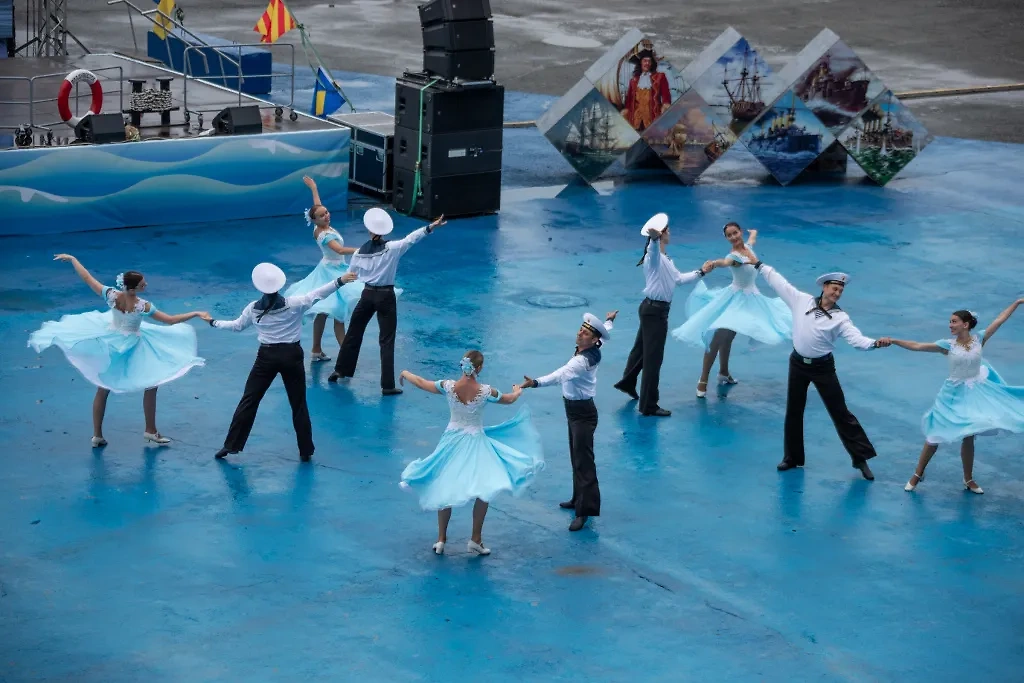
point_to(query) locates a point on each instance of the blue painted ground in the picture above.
(706, 564)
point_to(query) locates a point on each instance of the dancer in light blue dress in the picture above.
(118, 350)
(715, 316)
(974, 399)
(472, 461)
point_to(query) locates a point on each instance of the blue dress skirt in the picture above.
(973, 401)
(121, 351)
(739, 307)
(472, 461)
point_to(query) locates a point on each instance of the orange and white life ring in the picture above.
(63, 97)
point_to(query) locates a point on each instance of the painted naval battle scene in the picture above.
(456, 340)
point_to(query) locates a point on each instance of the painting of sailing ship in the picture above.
(884, 138)
(838, 87)
(787, 137)
(591, 134)
(642, 85)
(687, 137)
(735, 86)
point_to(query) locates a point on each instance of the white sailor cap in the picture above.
(656, 223)
(595, 325)
(268, 278)
(841, 278)
(378, 221)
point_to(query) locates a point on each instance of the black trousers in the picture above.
(586, 495)
(822, 373)
(380, 301)
(273, 360)
(648, 353)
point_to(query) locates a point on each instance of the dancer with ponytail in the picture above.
(118, 350)
(973, 401)
(661, 278)
(715, 316)
(473, 462)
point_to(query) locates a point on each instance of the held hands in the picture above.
(204, 316)
(883, 342)
(708, 266)
(528, 383)
(516, 391)
(349, 277)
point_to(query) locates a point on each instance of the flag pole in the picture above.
(306, 41)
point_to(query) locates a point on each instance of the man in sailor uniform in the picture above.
(278, 322)
(817, 323)
(578, 379)
(376, 264)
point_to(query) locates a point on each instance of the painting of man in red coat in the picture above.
(648, 94)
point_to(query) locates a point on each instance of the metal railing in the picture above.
(32, 101)
(224, 76)
(148, 14)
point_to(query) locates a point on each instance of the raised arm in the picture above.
(174, 319)
(420, 383)
(311, 184)
(415, 236)
(308, 299)
(751, 237)
(1002, 318)
(793, 297)
(916, 346)
(86, 276)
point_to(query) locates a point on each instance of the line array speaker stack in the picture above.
(449, 116)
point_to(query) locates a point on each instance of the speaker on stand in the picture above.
(449, 117)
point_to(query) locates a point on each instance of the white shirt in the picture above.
(378, 269)
(814, 333)
(281, 326)
(661, 274)
(577, 377)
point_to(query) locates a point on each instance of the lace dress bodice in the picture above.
(743, 276)
(130, 322)
(329, 254)
(467, 417)
(965, 364)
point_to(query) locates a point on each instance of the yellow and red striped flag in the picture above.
(275, 22)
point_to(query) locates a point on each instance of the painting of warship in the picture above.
(884, 138)
(687, 137)
(838, 87)
(641, 85)
(591, 135)
(786, 138)
(736, 85)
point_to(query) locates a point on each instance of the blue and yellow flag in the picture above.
(162, 25)
(326, 98)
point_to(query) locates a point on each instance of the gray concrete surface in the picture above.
(545, 46)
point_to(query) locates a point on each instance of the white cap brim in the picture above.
(378, 221)
(268, 278)
(597, 324)
(655, 224)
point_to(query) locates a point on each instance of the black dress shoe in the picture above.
(305, 458)
(631, 392)
(393, 391)
(567, 505)
(334, 377)
(786, 465)
(578, 523)
(864, 470)
(657, 412)
(223, 453)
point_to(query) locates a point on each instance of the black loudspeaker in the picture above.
(447, 107)
(468, 65)
(239, 121)
(101, 128)
(443, 154)
(451, 195)
(453, 10)
(456, 36)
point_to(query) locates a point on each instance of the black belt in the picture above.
(571, 401)
(294, 343)
(377, 288)
(657, 302)
(827, 358)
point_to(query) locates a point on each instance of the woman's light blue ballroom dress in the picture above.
(472, 461)
(332, 266)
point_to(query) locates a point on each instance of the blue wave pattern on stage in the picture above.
(96, 187)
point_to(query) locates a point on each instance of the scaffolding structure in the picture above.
(45, 27)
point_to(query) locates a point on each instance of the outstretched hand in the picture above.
(611, 316)
(708, 266)
(516, 390)
(401, 377)
(438, 223)
(204, 316)
(310, 183)
(528, 383)
(67, 258)
(349, 277)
